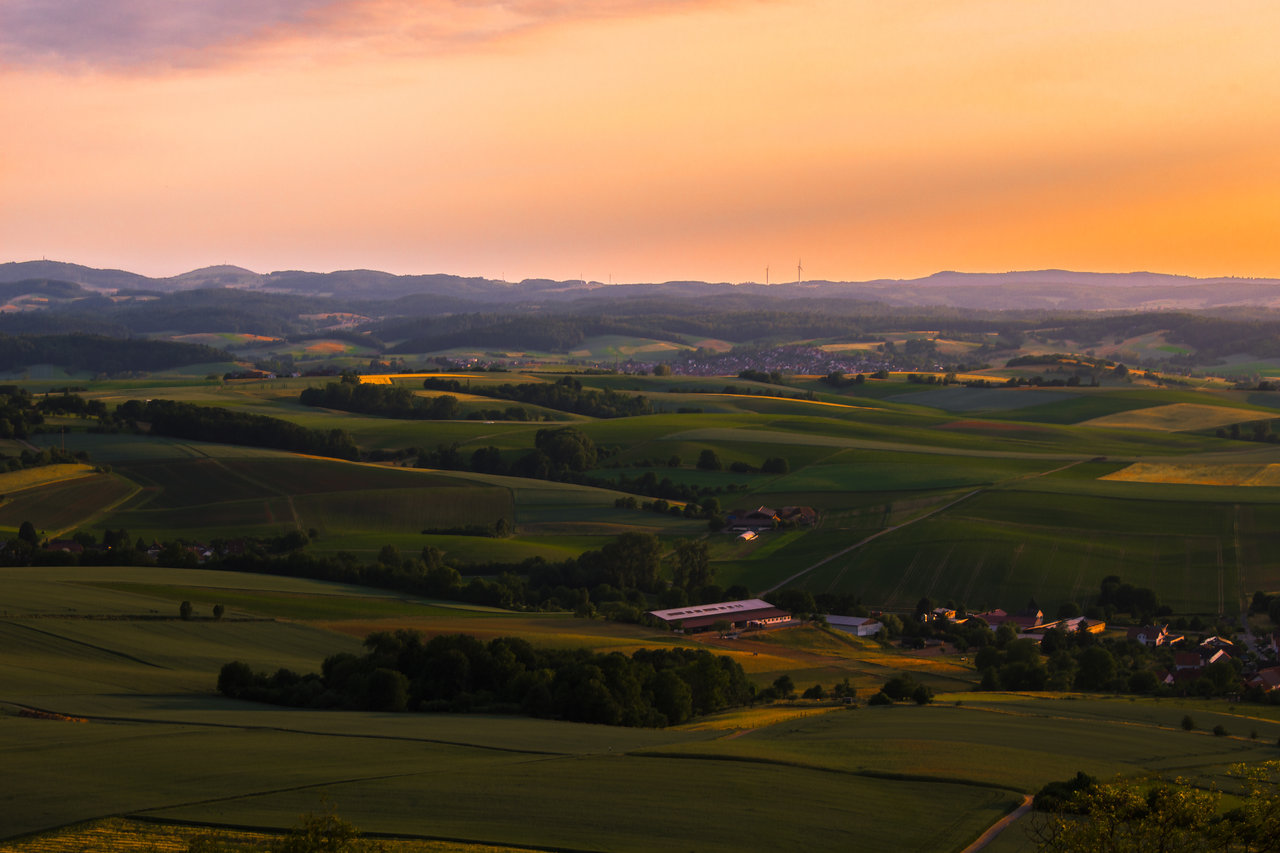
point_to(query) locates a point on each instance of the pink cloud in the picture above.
(127, 33)
(131, 34)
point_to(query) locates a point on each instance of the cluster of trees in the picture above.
(772, 377)
(649, 485)
(40, 458)
(391, 401)
(18, 412)
(225, 426)
(1257, 431)
(709, 460)
(902, 688)
(1092, 363)
(562, 453)
(838, 379)
(1084, 816)
(1140, 602)
(67, 403)
(1266, 603)
(459, 673)
(914, 353)
(564, 395)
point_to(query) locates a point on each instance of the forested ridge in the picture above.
(101, 354)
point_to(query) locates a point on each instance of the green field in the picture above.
(144, 734)
(985, 497)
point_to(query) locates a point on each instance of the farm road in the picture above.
(999, 826)
(922, 517)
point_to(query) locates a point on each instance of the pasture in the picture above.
(154, 741)
(988, 497)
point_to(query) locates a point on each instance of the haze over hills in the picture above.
(1036, 289)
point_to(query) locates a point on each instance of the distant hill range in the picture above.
(1032, 290)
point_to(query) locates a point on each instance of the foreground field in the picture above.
(136, 729)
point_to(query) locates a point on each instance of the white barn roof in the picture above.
(727, 609)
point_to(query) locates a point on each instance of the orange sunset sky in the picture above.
(642, 140)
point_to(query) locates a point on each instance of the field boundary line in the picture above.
(875, 535)
(388, 836)
(102, 718)
(76, 642)
(886, 775)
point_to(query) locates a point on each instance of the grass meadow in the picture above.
(142, 733)
(987, 497)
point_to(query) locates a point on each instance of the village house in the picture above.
(1187, 660)
(1024, 622)
(1216, 643)
(1150, 635)
(1267, 679)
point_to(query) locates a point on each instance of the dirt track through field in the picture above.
(999, 826)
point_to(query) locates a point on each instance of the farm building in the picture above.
(860, 626)
(1024, 622)
(751, 613)
(760, 518)
(766, 518)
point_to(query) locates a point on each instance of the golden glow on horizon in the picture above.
(703, 140)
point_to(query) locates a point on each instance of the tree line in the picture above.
(564, 395)
(389, 401)
(405, 671)
(225, 426)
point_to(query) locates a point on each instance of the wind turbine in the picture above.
(766, 273)
(799, 269)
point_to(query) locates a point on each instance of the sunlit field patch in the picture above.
(1202, 475)
(28, 478)
(1176, 417)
